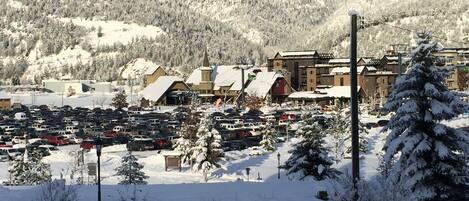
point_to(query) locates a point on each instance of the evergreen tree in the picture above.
(120, 100)
(309, 156)
(340, 134)
(29, 170)
(207, 152)
(131, 171)
(268, 137)
(427, 157)
(187, 136)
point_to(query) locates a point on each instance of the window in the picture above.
(341, 81)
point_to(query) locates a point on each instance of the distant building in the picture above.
(457, 59)
(328, 96)
(295, 64)
(153, 73)
(271, 84)
(166, 90)
(221, 82)
(5, 101)
(77, 86)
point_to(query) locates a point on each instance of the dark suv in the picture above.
(140, 145)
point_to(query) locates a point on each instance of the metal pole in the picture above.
(354, 100)
(278, 166)
(399, 63)
(242, 86)
(98, 152)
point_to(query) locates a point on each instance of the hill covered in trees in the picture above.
(93, 39)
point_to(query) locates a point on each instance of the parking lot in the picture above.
(43, 128)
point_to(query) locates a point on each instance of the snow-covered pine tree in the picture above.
(29, 170)
(207, 152)
(131, 171)
(120, 100)
(340, 135)
(268, 137)
(429, 158)
(309, 156)
(187, 136)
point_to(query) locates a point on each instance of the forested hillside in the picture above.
(91, 39)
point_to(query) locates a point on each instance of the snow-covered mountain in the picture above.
(93, 39)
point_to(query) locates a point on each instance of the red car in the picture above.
(162, 143)
(56, 140)
(87, 144)
(110, 134)
(288, 117)
(4, 144)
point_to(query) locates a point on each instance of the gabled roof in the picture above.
(152, 69)
(156, 90)
(222, 76)
(297, 54)
(262, 84)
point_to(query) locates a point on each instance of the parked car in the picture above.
(87, 144)
(75, 140)
(162, 143)
(4, 156)
(140, 145)
(48, 148)
(56, 140)
(18, 140)
(11, 152)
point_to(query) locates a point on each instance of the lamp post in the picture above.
(99, 146)
(278, 165)
(248, 170)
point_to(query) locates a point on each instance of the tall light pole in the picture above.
(99, 146)
(278, 165)
(354, 99)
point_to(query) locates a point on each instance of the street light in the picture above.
(99, 146)
(247, 172)
(278, 165)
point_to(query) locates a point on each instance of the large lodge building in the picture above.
(299, 76)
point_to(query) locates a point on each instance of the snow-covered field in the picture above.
(114, 31)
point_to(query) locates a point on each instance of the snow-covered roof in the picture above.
(262, 84)
(138, 67)
(339, 61)
(333, 92)
(222, 76)
(156, 90)
(344, 70)
(298, 53)
(151, 69)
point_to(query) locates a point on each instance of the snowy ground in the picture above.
(89, 100)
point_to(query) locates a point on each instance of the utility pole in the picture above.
(354, 100)
(242, 86)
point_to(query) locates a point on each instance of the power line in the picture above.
(408, 30)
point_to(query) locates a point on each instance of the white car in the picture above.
(72, 129)
(49, 148)
(76, 140)
(11, 152)
(19, 140)
(4, 156)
